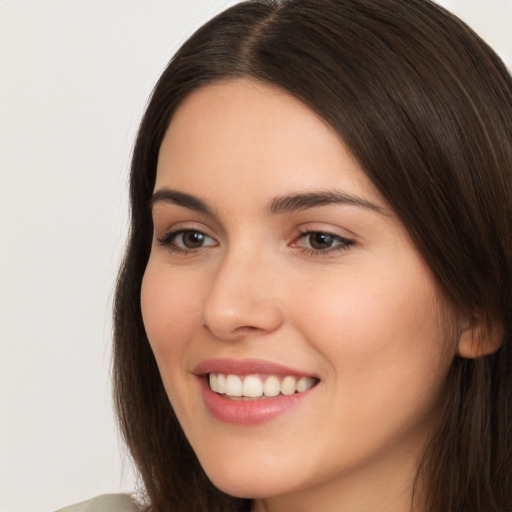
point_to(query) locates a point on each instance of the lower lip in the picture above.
(249, 412)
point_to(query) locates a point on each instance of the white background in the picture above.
(74, 78)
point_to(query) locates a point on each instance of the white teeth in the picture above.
(272, 386)
(221, 383)
(233, 385)
(304, 383)
(214, 382)
(289, 385)
(218, 382)
(252, 386)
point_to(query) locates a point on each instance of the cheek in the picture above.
(388, 355)
(169, 307)
(377, 327)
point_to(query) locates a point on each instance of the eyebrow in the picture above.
(304, 201)
(278, 205)
(166, 195)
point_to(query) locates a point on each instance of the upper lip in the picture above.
(246, 367)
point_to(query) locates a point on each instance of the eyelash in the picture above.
(343, 243)
(168, 239)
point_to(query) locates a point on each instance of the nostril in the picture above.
(247, 328)
(250, 321)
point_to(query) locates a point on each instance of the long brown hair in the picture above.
(425, 106)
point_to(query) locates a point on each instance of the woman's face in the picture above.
(280, 271)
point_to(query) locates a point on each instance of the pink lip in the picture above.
(246, 412)
(245, 367)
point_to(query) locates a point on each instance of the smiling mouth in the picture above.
(258, 387)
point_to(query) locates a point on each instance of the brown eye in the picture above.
(186, 239)
(321, 241)
(191, 239)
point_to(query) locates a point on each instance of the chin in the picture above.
(249, 487)
(245, 481)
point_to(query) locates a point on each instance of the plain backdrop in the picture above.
(74, 78)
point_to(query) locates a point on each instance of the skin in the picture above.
(364, 317)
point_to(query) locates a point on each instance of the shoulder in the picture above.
(105, 503)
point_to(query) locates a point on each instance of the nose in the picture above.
(243, 298)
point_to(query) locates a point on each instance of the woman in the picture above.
(314, 309)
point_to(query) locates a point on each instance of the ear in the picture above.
(479, 338)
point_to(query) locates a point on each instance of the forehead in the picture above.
(244, 113)
(225, 97)
(246, 135)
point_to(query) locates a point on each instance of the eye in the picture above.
(321, 242)
(186, 240)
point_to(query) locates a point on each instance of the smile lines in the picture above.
(254, 386)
